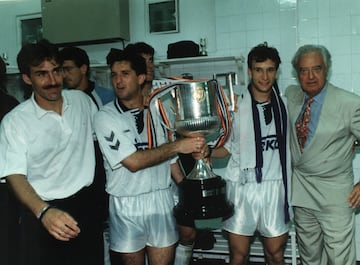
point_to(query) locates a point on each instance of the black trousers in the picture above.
(8, 226)
(38, 247)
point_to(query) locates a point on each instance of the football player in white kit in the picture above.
(139, 167)
(258, 169)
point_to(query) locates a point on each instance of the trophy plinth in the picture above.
(202, 195)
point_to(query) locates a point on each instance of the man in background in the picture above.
(7, 102)
(8, 205)
(76, 69)
(147, 52)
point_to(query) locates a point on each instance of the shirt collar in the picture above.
(122, 108)
(40, 112)
(319, 98)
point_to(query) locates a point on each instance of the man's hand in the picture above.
(205, 153)
(189, 145)
(60, 224)
(354, 197)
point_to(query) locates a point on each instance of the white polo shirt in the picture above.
(55, 152)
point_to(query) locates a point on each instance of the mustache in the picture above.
(57, 85)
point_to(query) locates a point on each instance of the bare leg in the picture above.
(187, 234)
(161, 256)
(136, 258)
(274, 249)
(184, 249)
(239, 249)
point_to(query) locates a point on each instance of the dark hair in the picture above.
(136, 61)
(261, 53)
(79, 56)
(112, 55)
(139, 48)
(33, 54)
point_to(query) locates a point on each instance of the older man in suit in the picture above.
(323, 193)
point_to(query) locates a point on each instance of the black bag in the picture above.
(182, 49)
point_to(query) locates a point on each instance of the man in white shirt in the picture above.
(47, 156)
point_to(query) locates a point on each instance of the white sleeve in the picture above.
(115, 138)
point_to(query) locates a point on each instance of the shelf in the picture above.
(164, 66)
(200, 59)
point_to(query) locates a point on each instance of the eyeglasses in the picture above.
(314, 70)
(68, 69)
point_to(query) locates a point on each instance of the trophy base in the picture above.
(201, 199)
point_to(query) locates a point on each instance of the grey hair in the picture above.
(305, 49)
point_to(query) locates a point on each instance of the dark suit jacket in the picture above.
(7, 102)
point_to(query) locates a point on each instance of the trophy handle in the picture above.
(157, 112)
(164, 117)
(231, 79)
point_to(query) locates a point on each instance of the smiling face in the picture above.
(46, 80)
(126, 83)
(311, 73)
(262, 75)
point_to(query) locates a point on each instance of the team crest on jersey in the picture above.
(113, 143)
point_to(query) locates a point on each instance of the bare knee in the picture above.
(238, 258)
(239, 249)
(275, 258)
(187, 235)
(117, 258)
(274, 249)
(161, 256)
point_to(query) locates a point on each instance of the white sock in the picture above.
(183, 254)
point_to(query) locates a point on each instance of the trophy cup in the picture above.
(203, 44)
(202, 194)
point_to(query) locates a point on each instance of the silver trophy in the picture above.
(202, 194)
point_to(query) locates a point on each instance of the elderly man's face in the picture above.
(312, 73)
